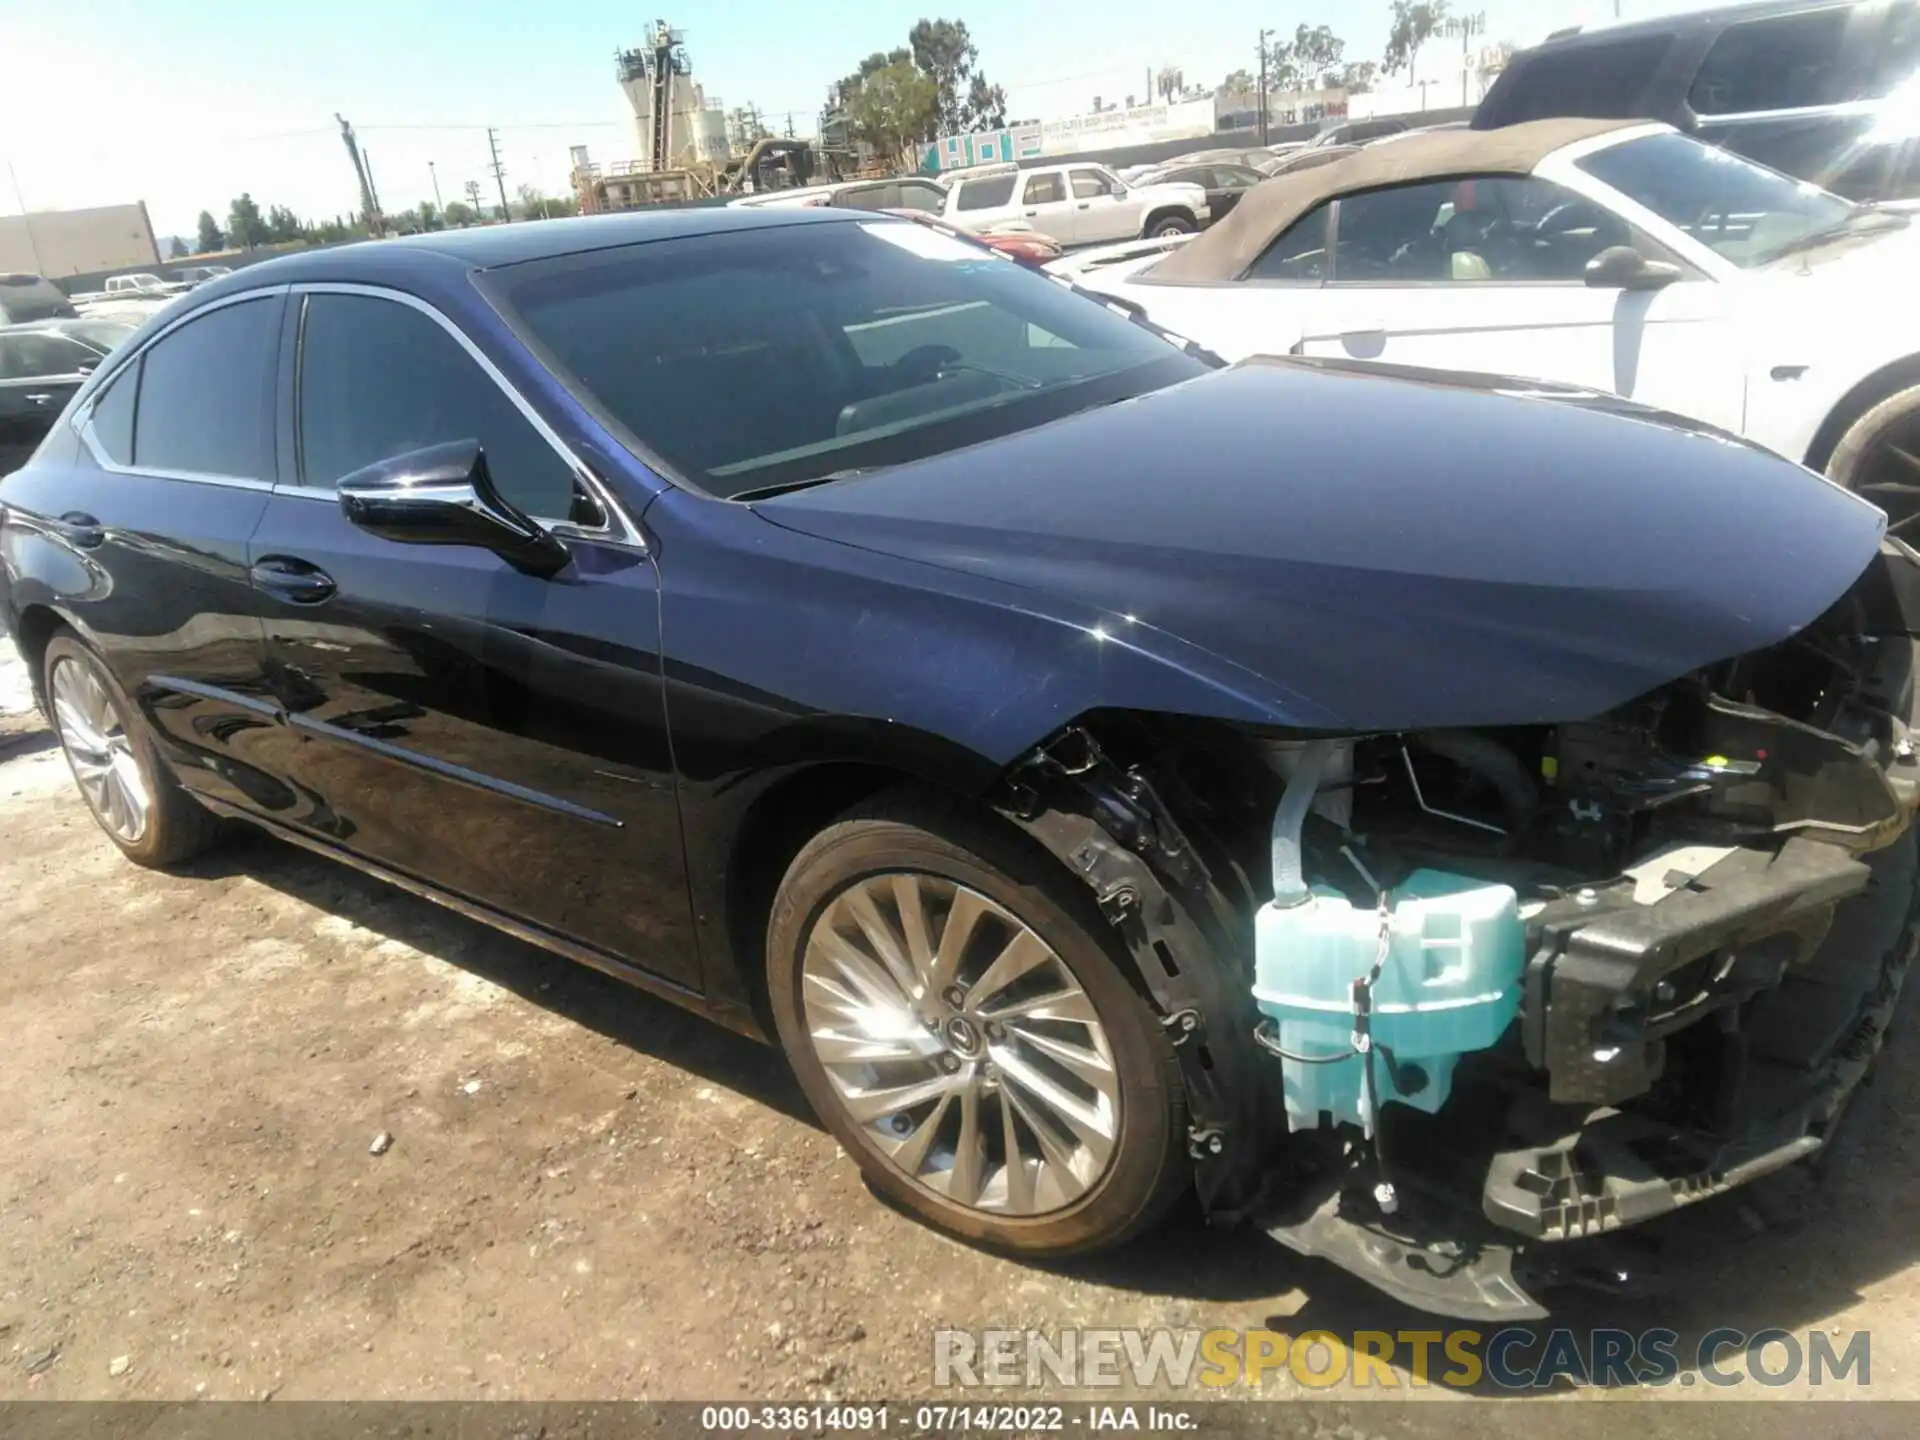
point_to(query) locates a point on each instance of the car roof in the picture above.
(1224, 251)
(1689, 20)
(492, 246)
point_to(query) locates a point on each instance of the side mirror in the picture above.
(1621, 267)
(1119, 192)
(443, 495)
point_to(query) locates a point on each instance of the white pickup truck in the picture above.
(1077, 203)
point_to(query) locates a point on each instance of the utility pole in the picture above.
(789, 124)
(1467, 26)
(473, 198)
(33, 247)
(499, 175)
(369, 203)
(436, 188)
(1263, 85)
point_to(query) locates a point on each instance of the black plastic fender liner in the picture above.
(1157, 894)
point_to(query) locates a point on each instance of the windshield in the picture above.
(1744, 211)
(773, 356)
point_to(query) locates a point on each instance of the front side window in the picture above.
(1090, 183)
(1745, 212)
(26, 357)
(1785, 62)
(775, 356)
(870, 197)
(986, 193)
(1506, 229)
(1045, 190)
(379, 379)
(1300, 253)
(206, 391)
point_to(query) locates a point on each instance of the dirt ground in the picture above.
(588, 1194)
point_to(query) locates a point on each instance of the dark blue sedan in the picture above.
(875, 645)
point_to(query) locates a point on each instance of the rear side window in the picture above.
(1601, 81)
(206, 392)
(378, 379)
(985, 193)
(1044, 190)
(1781, 63)
(112, 421)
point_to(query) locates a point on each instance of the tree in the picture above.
(986, 105)
(533, 203)
(282, 225)
(1357, 76)
(428, 217)
(1168, 82)
(895, 108)
(459, 213)
(1240, 82)
(210, 238)
(245, 228)
(1310, 59)
(176, 247)
(964, 99)
(1413, 24)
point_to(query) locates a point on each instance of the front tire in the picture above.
(953, 1011)
(1878, 458)
(1163, 225)
(129, 789)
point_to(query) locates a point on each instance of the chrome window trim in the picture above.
(82, 419)
(619, 527)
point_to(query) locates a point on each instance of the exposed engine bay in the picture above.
(1456, 1006)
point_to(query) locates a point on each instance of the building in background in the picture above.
(60, 243)
(677, 125)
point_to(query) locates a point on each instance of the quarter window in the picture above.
(112, 422)
(206, 391)
(379, 378)
(1300, 254)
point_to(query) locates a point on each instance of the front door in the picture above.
(496, 734)
(1488, 275)
(1100, 212)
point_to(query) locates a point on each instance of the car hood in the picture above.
(1392, 549)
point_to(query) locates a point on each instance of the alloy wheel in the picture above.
(1889, 476)
(99, 749)
(961, 1044)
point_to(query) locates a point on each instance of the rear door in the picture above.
(495, 734)
(135, 530)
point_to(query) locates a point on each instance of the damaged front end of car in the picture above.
(1456, 1006)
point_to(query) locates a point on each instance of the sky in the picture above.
(185, 107)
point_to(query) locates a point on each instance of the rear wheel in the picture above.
(1879, 460)
(126, 785)
(961, 1028)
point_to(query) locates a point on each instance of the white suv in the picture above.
(1081, 204)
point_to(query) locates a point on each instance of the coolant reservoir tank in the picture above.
(1450, 985)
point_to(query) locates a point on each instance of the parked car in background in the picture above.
(1611, 254)
(192, 275)
(1029, 247)
(31, 297)
(1077, 204)
(1358, 132)
(1824, 92)
(1307, 157)
(908, 192)
(142, 283)
(1224, 181)
(1145, 721)
(42, 364)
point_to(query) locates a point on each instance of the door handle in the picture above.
(77, 527)
(1084, 204)
(291, 579)
(1033, 212)
(40, 399)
